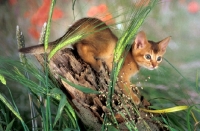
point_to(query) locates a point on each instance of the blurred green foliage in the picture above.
(174, 83)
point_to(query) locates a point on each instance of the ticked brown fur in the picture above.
(143, 53)
(98, 45)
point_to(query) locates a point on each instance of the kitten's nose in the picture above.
(154, 65)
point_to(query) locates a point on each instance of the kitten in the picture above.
(98, 45)
(143, 53)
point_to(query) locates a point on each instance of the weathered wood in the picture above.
(90, 107)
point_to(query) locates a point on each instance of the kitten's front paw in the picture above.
(136, 100)
(134, 95)
(98, 66)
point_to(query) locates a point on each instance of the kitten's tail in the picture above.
(37, 49)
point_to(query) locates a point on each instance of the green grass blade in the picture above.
(72, 116)
(42, 33)
(49, 24)
(20, 44)
(62, 44)
(60, 96)
(12, 109)
(123, 43)
(169, 127)
(188, 119)
(36, 89)
(174, 122)
(175, 68)
(63, 101)
(9, 126)
(48, 123)
(137, 18)
(112, 128)
(43, 112)
(2, 79)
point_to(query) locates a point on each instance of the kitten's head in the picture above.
(148, 54)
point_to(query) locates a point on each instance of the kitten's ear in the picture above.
(163, 44)
(140, 40)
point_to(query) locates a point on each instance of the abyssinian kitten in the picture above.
(98, 45)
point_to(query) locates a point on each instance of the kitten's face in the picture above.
(148, 54)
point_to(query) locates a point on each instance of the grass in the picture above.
(50, 109)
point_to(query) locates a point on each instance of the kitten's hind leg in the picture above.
(88, 54)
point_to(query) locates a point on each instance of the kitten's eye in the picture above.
(148, 57)
(159, 58)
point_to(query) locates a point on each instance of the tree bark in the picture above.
(91, 108)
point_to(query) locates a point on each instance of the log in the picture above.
(91, 108)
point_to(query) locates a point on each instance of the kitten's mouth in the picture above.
(148, 67)
(151, 68)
